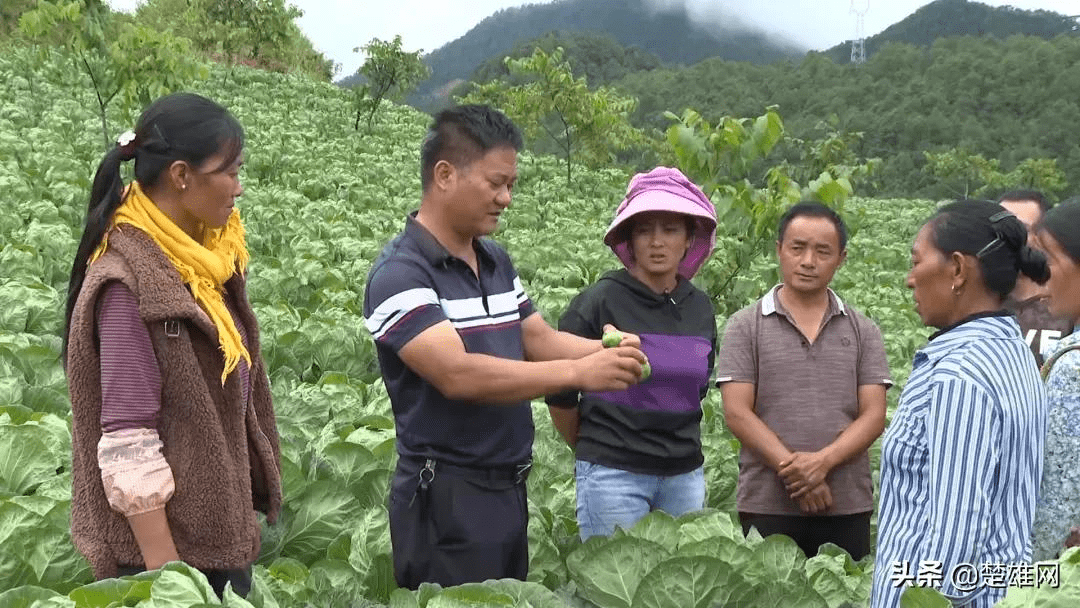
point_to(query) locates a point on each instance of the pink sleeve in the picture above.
(136, 477)
(130, 378)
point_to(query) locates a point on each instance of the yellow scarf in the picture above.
(204, 267)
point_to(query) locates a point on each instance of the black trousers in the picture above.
(850, 532)
(240, 579)
(455, 525)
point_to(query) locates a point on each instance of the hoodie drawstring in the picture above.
(674, 306)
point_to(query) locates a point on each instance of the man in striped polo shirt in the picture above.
(462, 351)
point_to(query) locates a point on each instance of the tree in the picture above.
(962, 173)
(724, 160)
(1037, 174)
(121, 59)
(389, 72)
(258, 33)
(832, 152)
(10, 11)
(249, 25)
(588, 124)
(597, 56)
(965, 174)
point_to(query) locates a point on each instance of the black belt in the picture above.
(430, 468)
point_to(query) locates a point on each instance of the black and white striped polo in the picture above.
(414, 284)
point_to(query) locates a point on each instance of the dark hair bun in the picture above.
(1032, 263)
(997, 238)
(1010, 230)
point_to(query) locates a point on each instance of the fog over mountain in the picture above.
(676, 32)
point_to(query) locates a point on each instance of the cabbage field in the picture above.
(320, 201)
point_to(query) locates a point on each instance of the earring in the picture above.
(955, 290)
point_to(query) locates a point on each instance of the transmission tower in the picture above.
(858, 44)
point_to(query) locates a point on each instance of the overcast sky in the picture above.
(335, 27)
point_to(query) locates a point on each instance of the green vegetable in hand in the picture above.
(612, 339)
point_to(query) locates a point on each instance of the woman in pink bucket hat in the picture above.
(640, 449)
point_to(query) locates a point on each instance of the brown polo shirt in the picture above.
(807, 393)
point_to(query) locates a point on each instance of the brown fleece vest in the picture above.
(224, 454)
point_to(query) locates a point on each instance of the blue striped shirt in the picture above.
(960, 465)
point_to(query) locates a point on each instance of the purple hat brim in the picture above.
(660, 200)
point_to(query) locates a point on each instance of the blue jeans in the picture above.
(608, 497)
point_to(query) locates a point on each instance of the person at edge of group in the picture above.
(1057, 519)
(1029, 301)
(803, 377)
(174, 441)
(640, 449)
(462, 352)
(962, 458)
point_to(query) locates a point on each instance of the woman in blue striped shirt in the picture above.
(1058, 515)
(962, 458)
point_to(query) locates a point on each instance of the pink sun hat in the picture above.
(666, 189)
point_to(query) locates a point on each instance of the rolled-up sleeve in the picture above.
(136, 477)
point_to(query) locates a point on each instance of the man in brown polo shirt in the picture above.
(803, 378)
(1029, 300)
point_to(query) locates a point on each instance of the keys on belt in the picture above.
(427, 475)
(517, 474)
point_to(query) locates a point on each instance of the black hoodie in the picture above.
(652, 427)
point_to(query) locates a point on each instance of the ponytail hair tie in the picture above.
(126, 144)
(1000, 236)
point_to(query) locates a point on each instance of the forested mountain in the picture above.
(595, 55)
(936, 91)
(944, 18)
(668, 32)
(1007, 99)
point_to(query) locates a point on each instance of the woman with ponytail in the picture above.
(173, 434)
(1057, 521)
(962, 458)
